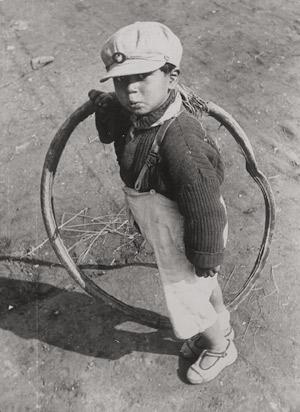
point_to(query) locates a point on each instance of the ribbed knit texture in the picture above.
(196, 173)
(191, 173)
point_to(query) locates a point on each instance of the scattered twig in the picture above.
(136, 256)
(255, 57)
(268, 295)
(46, 240)
(273, 367)
(229, 277)
(87, 251)
(124, 223)
(258, 55)
(93, 139)
(35, 249)
(83, 225)
(78, 230)
(254, 337)
(91, 229)
(233, 255)
(62, 219)
(247, 327)
(249, 301)
(274, 280)
(124, 244)
(73, 217)
(102, 226)
(80, 241)
(93, 218)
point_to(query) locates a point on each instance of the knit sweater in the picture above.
(190, 172)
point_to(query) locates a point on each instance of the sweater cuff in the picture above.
(203, 260)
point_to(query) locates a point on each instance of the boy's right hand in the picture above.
(101, 100)
(206, 273)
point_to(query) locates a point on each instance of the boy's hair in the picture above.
(167, 68)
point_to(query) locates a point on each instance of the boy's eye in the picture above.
(133, 77)
(143, 76)
(120, 79)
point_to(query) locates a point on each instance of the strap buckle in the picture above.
(152, 159)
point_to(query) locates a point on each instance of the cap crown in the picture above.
(141, 42)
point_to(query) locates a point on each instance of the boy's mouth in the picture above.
(135, 104)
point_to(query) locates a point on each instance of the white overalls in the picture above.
(187, 295)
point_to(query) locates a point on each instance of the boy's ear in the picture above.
(174, 78)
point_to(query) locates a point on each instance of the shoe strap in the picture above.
(228, 331)
(207, 352)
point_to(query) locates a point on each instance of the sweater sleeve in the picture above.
(205, 219)
(194, 171)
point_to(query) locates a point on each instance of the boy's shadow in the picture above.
(75, 322)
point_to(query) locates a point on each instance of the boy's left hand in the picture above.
(101, 100)
(205, 273)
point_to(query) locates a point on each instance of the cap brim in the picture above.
(130, 67)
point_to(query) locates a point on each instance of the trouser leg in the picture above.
(187, 296)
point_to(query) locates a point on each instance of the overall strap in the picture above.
(153, 156)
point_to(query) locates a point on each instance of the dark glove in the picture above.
(102, 101)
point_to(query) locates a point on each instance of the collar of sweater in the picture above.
(170, 108)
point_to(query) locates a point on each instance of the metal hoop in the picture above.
(47, 205)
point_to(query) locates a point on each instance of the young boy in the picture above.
(174, 192)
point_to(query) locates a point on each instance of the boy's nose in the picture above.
(131, 87)
(132, 83)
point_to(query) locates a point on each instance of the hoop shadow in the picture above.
(75, 322)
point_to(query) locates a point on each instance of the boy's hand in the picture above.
(101, 100)
(205, 273)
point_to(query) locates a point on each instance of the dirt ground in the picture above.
(60, 349)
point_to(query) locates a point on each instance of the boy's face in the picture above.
(143, 93)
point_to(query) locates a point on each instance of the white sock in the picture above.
(224, 320)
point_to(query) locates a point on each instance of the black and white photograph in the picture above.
(149, 206)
